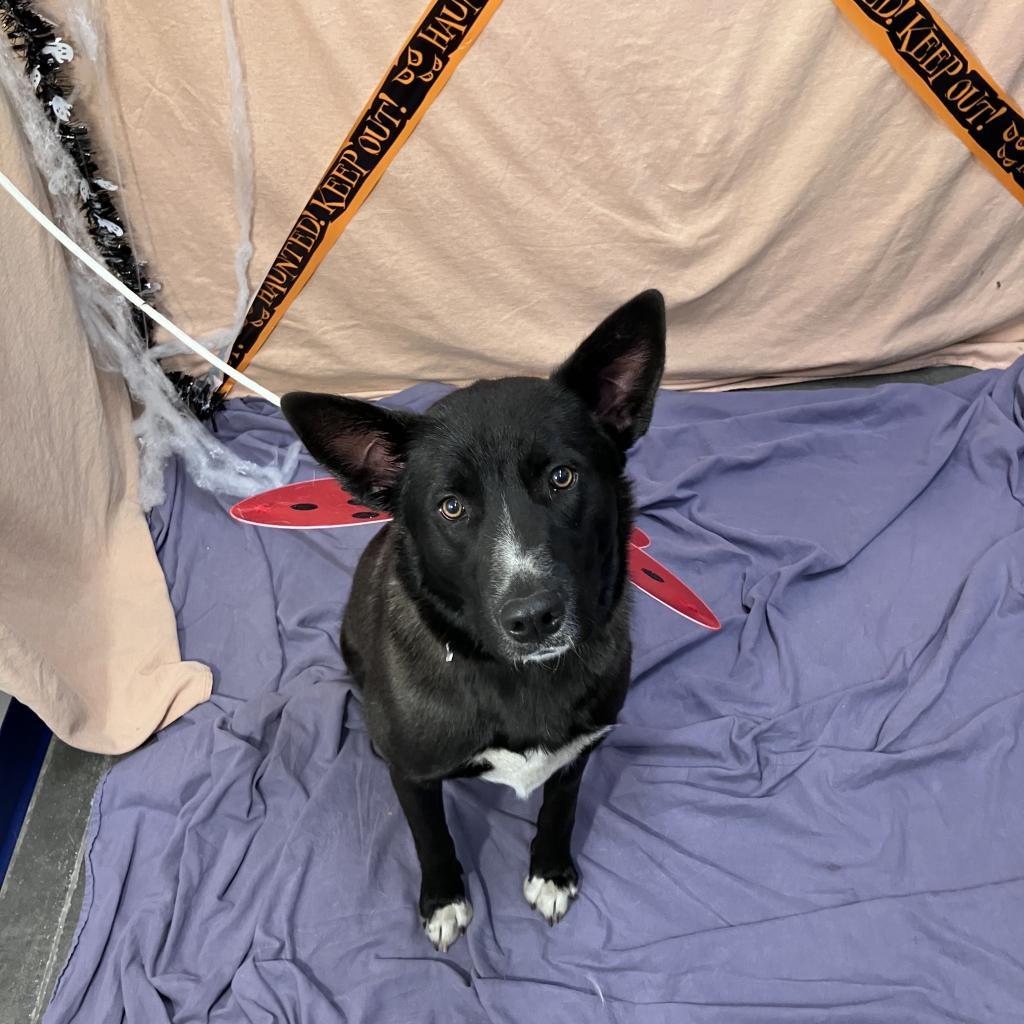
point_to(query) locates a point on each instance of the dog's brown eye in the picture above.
(562, 478)
(451, 507)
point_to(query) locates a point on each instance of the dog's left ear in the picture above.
(616, 371)
(363, 444)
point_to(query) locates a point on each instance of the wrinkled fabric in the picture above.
(812, 814)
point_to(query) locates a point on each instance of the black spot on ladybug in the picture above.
(365, 515)
(653, 575)
(304, 506)
(356, 502)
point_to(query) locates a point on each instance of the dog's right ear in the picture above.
(364, 445)
(616, 371)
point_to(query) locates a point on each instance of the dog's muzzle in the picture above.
(533, 619)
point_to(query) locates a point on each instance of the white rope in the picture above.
(97, 268)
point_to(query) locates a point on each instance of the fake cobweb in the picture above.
(163, 427)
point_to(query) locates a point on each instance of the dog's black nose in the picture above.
(529, 619)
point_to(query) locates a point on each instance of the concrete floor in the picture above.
(929, 375)
(42, 893)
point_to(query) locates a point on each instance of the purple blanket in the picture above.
(816, 814)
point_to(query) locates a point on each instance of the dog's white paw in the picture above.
(447, 923)
(548, 898)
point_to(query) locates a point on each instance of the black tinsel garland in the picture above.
(33, 38)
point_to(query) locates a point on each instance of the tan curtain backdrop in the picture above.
(87, 633)
(803, 212)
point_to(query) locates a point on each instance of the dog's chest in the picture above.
(525, 772)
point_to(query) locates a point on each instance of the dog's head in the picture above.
(509, 495)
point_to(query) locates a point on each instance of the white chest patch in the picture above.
(525, 772)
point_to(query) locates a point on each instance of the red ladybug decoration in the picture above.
(322, 504)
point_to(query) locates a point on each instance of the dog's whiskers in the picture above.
(575, 650)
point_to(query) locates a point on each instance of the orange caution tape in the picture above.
(421, 70)
(949, 79)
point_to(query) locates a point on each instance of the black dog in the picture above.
(488, 626)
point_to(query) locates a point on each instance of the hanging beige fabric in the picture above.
(87, 633)
(803, 213)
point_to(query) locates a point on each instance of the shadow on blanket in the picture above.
(814, 814)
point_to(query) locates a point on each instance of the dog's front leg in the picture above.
(553, 881)
(444, 909)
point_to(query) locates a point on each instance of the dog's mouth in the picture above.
(546, 654)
